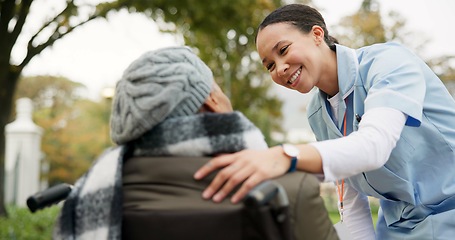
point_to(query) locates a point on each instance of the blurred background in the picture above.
(66, 56)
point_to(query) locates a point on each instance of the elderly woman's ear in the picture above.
(217, 101)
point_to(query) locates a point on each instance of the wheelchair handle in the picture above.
(265, 193)
(52, 195)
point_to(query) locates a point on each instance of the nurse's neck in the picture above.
(328, 82)
(331, 89)
(331, 92)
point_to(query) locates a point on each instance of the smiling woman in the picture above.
(377, 115)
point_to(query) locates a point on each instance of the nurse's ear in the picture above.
(318, 34)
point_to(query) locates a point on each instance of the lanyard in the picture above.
(340, 187)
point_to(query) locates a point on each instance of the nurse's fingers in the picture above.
(246, 187)
(220, 179)
(212, 165)
(232, 176)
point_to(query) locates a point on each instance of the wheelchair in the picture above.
(263, 215)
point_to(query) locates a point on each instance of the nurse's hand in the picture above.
(247, 167)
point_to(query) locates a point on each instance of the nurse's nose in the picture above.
(282, 68)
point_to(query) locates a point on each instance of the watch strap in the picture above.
(293, 166)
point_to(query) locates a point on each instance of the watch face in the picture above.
(290, 150)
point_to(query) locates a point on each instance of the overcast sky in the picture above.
(97, 54)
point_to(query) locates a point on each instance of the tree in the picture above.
(56, 93)
(366, 27)
(12, 19)
(443, 66)
(204, 25)
(73, 138)
(76, 130)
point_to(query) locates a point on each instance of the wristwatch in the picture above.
(293, 152)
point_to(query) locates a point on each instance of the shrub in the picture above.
(22, 224)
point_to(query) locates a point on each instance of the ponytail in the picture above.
(331, 41)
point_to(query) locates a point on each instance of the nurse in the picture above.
(384, 122)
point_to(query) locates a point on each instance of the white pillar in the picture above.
(22, 155)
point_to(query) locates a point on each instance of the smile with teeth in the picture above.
(295, 76)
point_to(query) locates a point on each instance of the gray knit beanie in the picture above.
(165, 83)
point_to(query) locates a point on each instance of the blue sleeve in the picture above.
(393, 78)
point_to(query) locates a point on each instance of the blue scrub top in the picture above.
(416, 186)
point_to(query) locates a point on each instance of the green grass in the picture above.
(21, 224)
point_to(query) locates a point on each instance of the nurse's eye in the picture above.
(283, 49)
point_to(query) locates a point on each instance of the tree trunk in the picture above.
(8, 82)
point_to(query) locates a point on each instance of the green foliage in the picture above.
(49, 91)
(24, 225)
(76, 130)
(73, 139)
